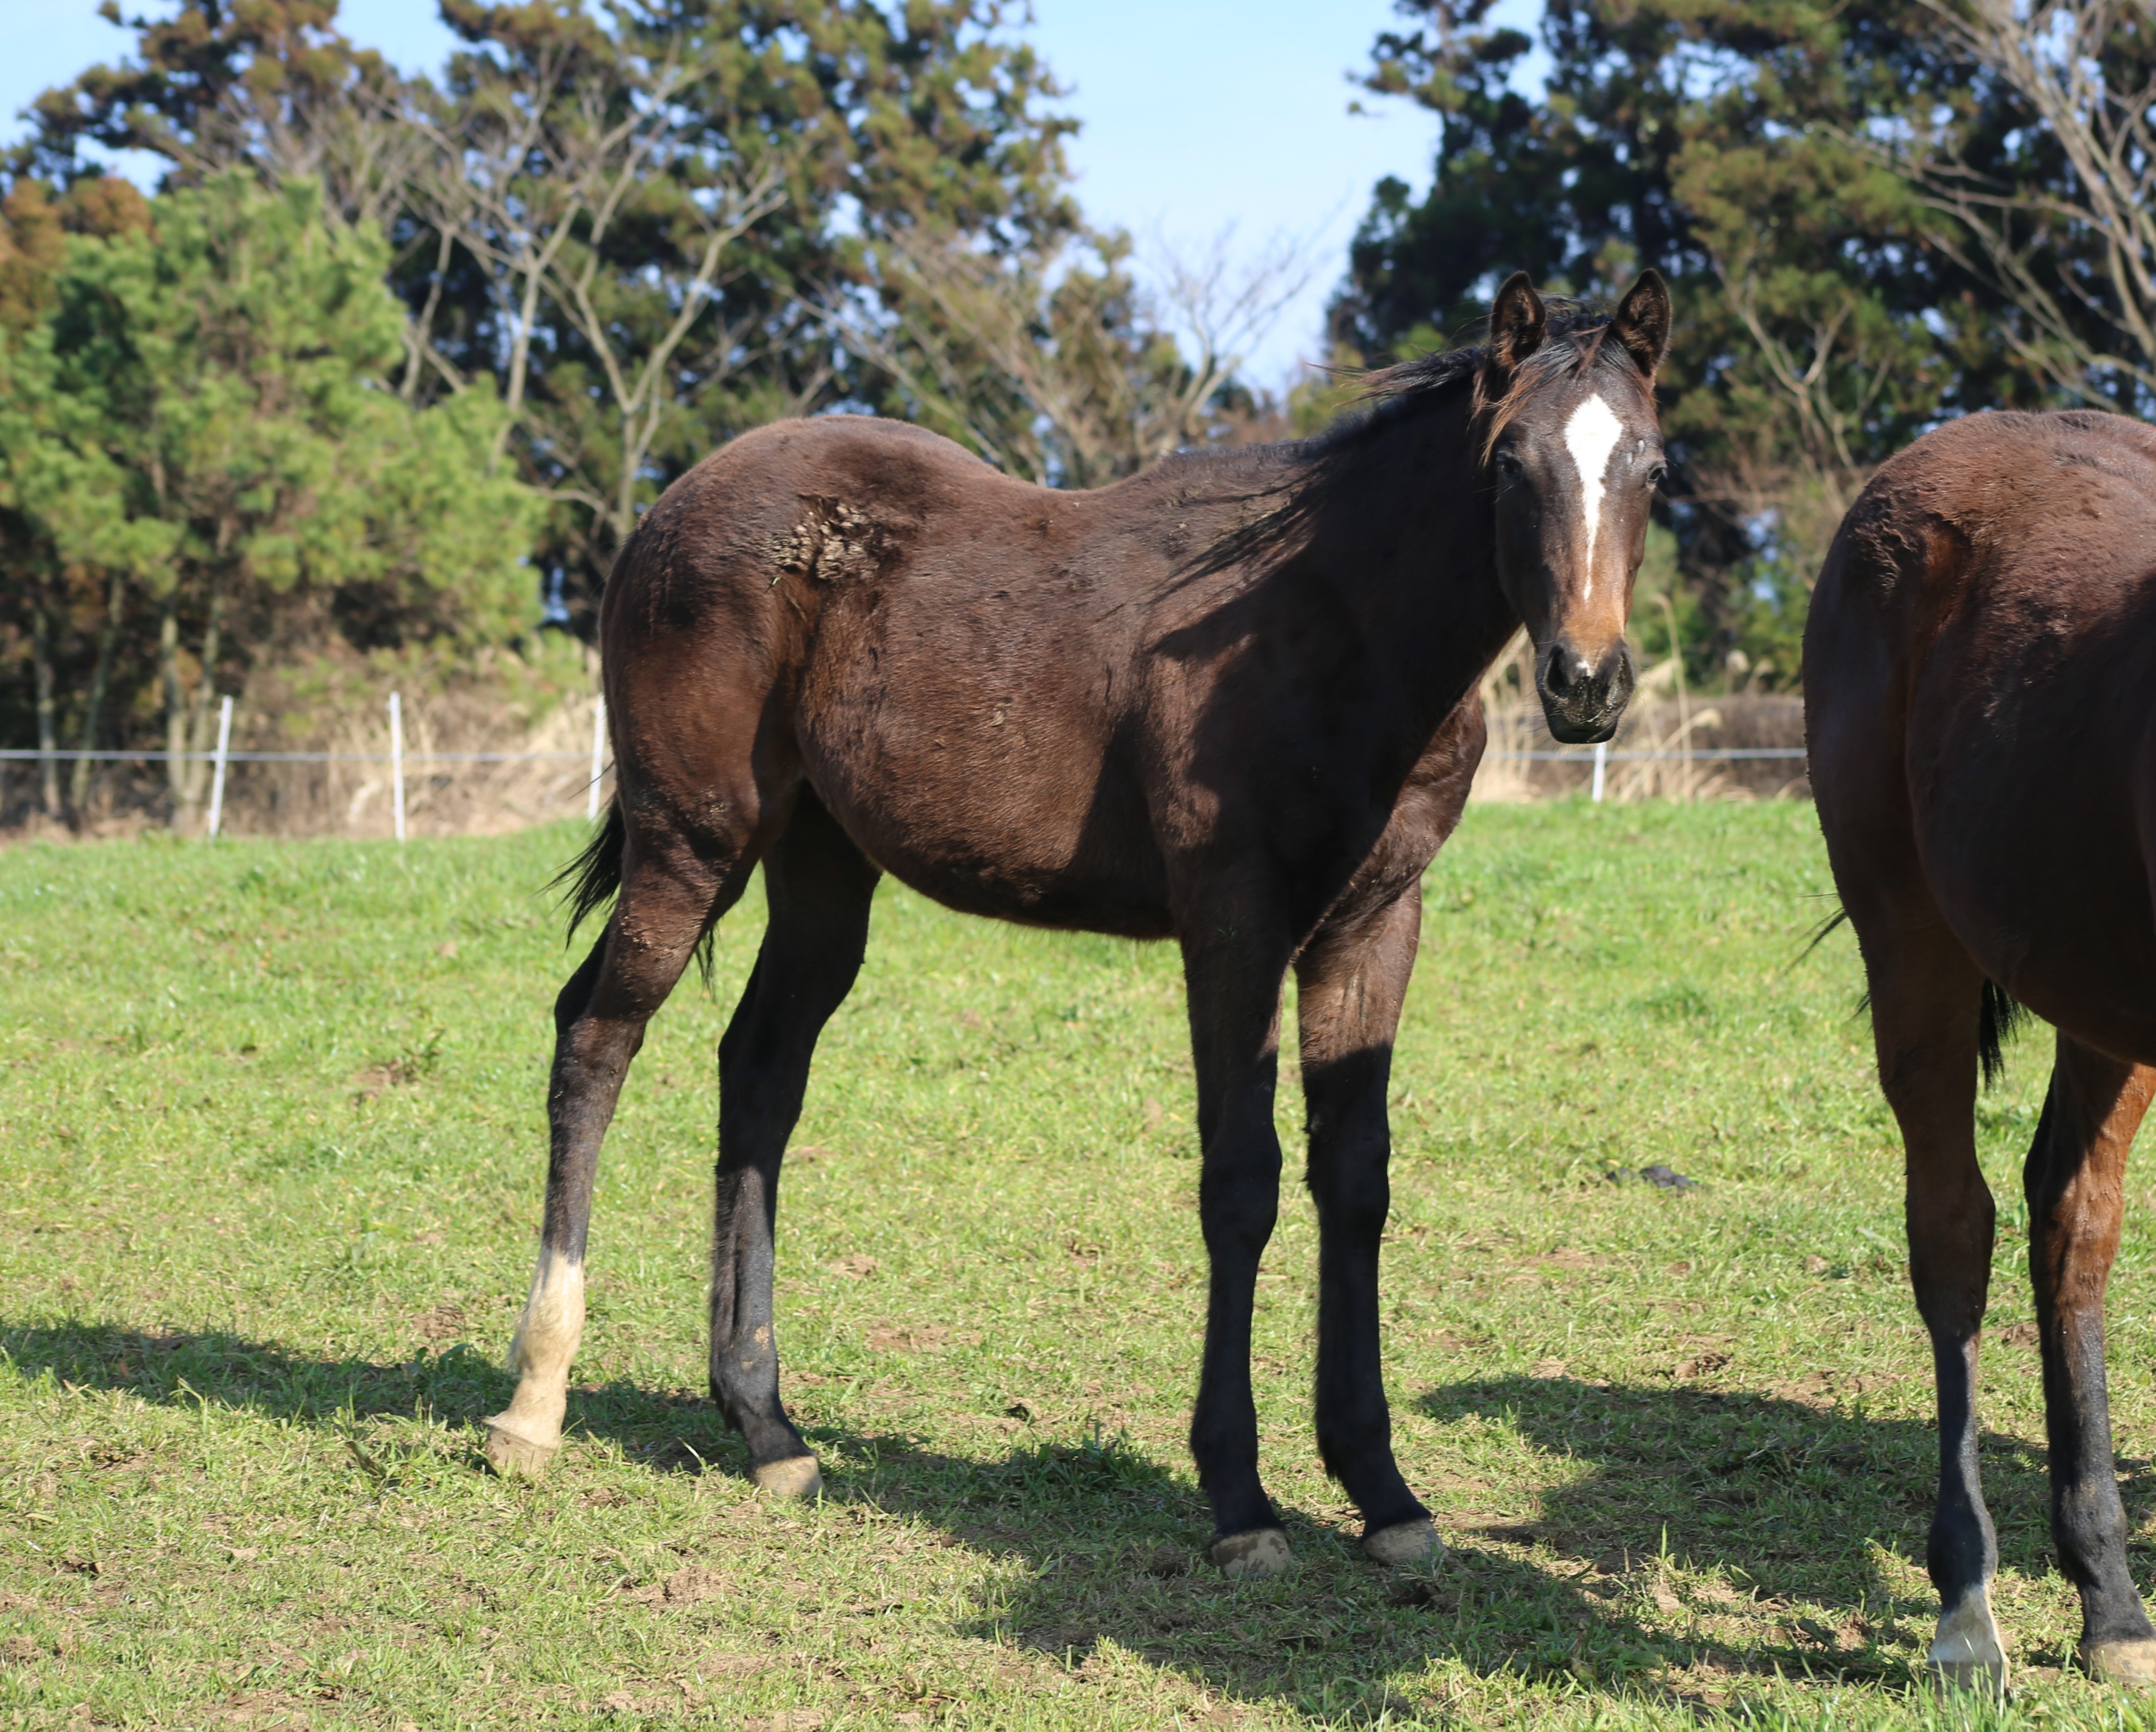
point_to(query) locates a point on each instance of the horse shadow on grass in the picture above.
(1682, 1538)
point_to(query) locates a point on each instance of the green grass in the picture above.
(273, 1122)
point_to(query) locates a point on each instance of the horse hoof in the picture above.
(1405, 1542)
(515, 1457)
(1262, 1551)
(2131, 1663)
(1987, 1677)
(796, 1477)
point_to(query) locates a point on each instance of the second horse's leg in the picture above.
(820, 888)
(2076, 1170)
(1926, 996)
(598, 1022)
(1351, 982)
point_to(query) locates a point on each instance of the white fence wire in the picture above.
(1599, 758)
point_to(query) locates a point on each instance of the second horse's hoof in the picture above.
(2131, 1663)
(516, 1457)
(1262, 1551)
(1405, 1542)
(796, 1477)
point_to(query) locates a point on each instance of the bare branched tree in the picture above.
(2075, 247)
(538, 177)
(1818, 367)
(1058, 366)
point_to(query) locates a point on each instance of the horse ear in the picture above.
(1642, 324)
(1517, 322)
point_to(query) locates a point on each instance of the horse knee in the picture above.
(1352, 1189)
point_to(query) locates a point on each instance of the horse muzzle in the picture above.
(1583, 702)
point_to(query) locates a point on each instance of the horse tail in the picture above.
(594, 876)
(1996, 1021)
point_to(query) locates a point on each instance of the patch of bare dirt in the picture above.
(923, 1338)
(688, 1585)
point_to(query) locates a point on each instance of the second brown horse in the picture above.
(1979, 665)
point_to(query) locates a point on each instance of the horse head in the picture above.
(1574, 449)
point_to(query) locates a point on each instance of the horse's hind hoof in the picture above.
(796, 1477)
(1986, 1677)
(2131, 1663)
(1262, 1551)
(515, 1457)
(1405, 1542)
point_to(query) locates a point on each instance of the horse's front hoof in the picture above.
(514, 1456)
(1405, 1542)
(1987, 1677)
(1262, 1551)
(796, 1477)
(2131, 1663)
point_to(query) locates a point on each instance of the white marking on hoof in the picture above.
(1969, 1653)
(1262, 1551)
(514, 1457)
(796, 1477)
(523, 1438)
(1405, 1542)
(2130, 1665)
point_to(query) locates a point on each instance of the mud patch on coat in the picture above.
(832, 543)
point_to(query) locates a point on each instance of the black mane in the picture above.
(1389, 398)
(1408, 388)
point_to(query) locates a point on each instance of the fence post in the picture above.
(216, 775)
(1601, 761)
(598, 757)
(397, 759)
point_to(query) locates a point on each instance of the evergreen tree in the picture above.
(199, 424)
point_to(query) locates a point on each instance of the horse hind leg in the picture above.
(2074, 1182)
(669, 894)
(1926, 1001)
(820, 888)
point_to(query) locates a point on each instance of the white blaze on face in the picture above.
(1590, 436)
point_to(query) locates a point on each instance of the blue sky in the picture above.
(1200, 116)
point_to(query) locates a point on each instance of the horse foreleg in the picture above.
(1351, 982)
(1233, 980)
(1926, 996)
(2073, 1181)
(598, 1020)
(820, 888)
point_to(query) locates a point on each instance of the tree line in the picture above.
(1873, 214)
(394, 360)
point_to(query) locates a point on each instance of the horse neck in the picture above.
(1409, 541)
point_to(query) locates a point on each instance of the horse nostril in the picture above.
(1559, 679)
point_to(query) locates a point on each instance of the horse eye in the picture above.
(1508, 463)
(1658, 474)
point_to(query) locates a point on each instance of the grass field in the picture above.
(273, 1122)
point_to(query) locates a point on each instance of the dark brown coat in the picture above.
(1980, 666)
(1230, 701)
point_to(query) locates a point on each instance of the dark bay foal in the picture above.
(1978, 665)
(1231, 701)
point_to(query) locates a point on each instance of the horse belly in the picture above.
(989, 807)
